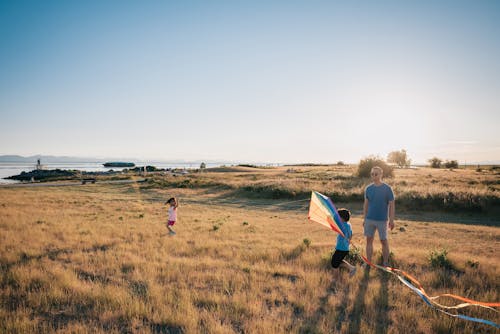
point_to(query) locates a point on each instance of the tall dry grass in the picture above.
(98, 259)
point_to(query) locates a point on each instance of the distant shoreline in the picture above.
(12, 168)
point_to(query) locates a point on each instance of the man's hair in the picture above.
(379, 169)
(171, 199)
(344, 214)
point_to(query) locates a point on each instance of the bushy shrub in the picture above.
(451, 164)
(435, 162)
(306, 242)
(439, 259)
(354, 256)
(365, 166)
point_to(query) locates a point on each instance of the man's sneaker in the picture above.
(171, 233)
(353, 272)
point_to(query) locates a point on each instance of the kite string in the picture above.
(274, 204)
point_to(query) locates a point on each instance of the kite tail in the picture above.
(432, 299)
(468, 301)
(412, 283)
(426, 299)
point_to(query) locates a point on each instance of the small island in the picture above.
(45, 175)
(119, 164)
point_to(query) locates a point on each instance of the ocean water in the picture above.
(12, 168)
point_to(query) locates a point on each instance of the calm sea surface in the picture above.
(12, 168)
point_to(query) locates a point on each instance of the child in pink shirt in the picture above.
(172, 214)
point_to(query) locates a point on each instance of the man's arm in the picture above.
(365, 210)
(392, 211)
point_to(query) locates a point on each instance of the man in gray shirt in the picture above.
(378, 212)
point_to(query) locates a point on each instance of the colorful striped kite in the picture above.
(323, 211)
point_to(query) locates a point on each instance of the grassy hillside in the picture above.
(97, 258)
(464, 191)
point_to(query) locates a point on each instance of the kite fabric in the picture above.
(323, 211)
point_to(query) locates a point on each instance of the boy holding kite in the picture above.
(342, 246)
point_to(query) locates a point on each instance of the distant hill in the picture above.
(46, 159)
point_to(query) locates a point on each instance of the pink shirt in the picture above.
(172, 214)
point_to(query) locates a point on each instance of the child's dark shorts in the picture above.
(337, 257)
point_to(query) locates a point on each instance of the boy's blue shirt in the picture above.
(343, 243)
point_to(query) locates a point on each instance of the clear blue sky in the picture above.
(251, 81)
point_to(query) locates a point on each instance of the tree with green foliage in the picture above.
(435, 162)
(399, 158)
(451, 164)
(365, 166)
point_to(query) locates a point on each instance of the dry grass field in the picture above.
(98, 259)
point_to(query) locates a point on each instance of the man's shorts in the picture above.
(372, 225)
(337, 257)
(171, 223)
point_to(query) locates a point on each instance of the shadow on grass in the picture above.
(293, 254)
(53, 254)
(310, 325)
(359, 304)
(462, 218)
(166, 328)
(341, 312)
(25, 258)
(61, 320)
(382, 302)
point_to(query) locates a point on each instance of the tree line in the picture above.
(401, 159)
